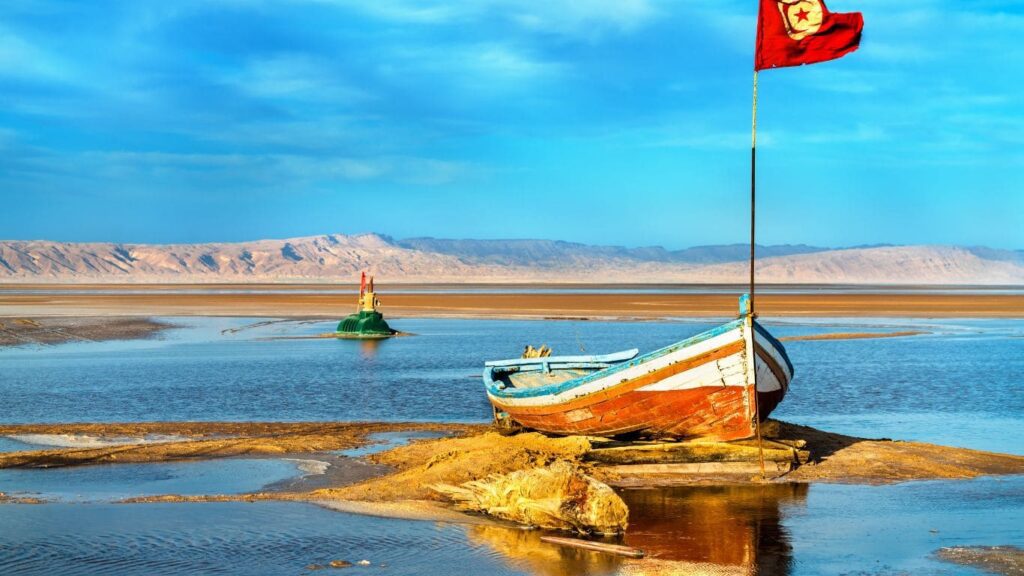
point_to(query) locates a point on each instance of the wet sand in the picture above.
(472, 451)
(403, 482)
(205, 440)
(48, 330)
(995, 559)
(148, 301)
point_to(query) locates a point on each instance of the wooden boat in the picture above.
(701, 387)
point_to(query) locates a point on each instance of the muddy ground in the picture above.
(49, 330)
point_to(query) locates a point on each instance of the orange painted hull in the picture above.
(707, 413)
(701, 390)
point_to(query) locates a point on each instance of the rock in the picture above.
(340, 564)
(315, 567)
(558, 496)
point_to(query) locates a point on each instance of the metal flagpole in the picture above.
(753, 171)
(750, 312)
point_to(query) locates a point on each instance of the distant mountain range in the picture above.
(339, 258)
(558, 253)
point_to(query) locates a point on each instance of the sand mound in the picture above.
(558, 496)
(455, 461)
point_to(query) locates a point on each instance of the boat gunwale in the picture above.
(550, 367)
(611, 358)
(777, 345)
(560, 387)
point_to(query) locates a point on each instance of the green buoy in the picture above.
(367, 322)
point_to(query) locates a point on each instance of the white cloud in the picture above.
(295, 76)
(896, 51)
(582, 18)
(707, 140)
(21, 59)
(275, 170)
(506, 61)
(579, 17)
(845, 81)
(476, 68)
(862, 133)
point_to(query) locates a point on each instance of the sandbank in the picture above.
(471, 451)
(113, 300)
(48, 330)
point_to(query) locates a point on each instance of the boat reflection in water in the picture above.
(723, 529)
(684, 530)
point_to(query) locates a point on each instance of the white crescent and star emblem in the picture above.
(801, 17)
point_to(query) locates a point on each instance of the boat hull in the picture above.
(700, 388)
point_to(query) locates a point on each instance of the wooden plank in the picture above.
(698, 468)
(691, 452)
(595, 546)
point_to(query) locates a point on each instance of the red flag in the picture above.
(795, 32)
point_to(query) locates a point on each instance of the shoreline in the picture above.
(833, 457)
(406, 481)
(150, 302)
(343, 284)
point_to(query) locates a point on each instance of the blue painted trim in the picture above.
(608, 358)
(549, 367)
(744, 304)
(778, 346)
(551, 389)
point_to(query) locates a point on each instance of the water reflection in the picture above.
(684, 530)
(732, 529)
(523, 550)
(368, 348)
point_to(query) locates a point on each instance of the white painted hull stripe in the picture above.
(629, 374)
(770, 349)
(766, 380)
(729, 371)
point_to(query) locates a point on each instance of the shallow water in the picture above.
(225, 538)
(827, 528)
(8, 444)
(18, 442)
(963, 384)
(768, 530)
(110, 482)
(382, 441)
(960, 385)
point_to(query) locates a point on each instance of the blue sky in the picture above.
(620, 122)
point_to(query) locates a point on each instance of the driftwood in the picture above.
(596, 546)
(697, 452)
(683, 472)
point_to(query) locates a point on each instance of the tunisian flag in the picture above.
(795, 32)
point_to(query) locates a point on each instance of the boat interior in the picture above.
(536, 372)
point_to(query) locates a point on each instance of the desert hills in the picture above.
(339, 257)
